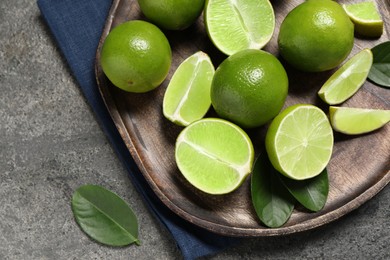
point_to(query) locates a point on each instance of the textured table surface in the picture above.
(50, 144)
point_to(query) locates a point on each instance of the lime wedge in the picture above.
(214, 155)
(235, 25)
(299, 141)
(347, 80)
(354, 121)
(187, 97)
(365, 16)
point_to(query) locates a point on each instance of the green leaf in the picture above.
(311, 193)
(272, 201)
(104, 216)
(380, 70)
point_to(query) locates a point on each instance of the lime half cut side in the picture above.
(214, 155)
(235, 25)
(366, 18)
(354, 121)
(348, 79)
(187, 97)
(299, 141)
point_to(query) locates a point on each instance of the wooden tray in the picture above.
(358, 170)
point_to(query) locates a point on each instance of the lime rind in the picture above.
(366, 18)
(355, 121)
(187, 97)
(348, 79)
(299, 142)
(214, 155)
(238, 25)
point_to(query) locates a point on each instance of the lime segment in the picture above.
(366, 18)
(347, 80)
(238, 25)
(187, 97)
(354, 121)
(299, 142)
(214, 155)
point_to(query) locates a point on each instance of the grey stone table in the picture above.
(50, 144)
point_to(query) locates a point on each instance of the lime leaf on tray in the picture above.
(380, 70)
(272, 201)
(104, 216)
(311, 193)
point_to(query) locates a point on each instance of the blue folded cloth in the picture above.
(77, 26)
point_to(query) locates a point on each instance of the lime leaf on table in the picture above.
(380, 70)
(239, 25)
(366, 18)
(214, 155)
(299, 141)
(272, 201)
(354, 121)
(104, 216)
(311, 193)
(348, 79)
(187, 97)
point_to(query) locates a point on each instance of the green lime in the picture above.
(238, 25)
(172, 14)
(354, 121)
(348, 79)
(316, 36)
(249, 88)
(299, 141)
(136, 56)
(214, 155)
(187, 97)
(365, 16)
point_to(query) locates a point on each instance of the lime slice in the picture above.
(354, 121)
(187, 97)
(214, 155)
(365, 16)
(235, 25)
(347, 80)
(299, 142)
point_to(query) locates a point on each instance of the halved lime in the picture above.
(354, 121)
(214, 155)
(187, 97)
(347, 80)
(365, 16)
(299, 141)
(240, 24)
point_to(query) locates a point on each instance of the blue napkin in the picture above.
(77, 26)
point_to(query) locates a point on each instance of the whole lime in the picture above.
(317, 35)
(172, 14)
(136, 56)
(249, 88)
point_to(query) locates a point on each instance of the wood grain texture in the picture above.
(358, 170)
